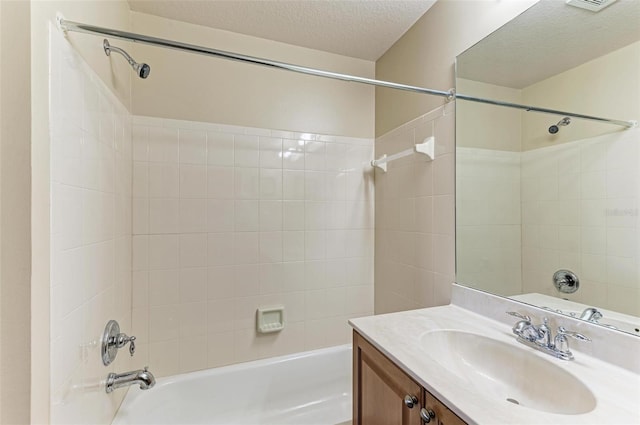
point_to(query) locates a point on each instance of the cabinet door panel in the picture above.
(380, 388)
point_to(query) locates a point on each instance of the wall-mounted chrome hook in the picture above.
(112, 340)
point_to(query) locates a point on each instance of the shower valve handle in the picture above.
(123, 339)
(132, 345)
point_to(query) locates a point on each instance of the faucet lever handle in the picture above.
(575, 335)
(132, 345)
(123, 339)
(519, 316)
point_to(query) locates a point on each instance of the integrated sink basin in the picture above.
(508, 373)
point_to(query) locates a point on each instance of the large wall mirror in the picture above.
(539, 193)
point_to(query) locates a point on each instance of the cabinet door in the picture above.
(380, 388)
(443, 416)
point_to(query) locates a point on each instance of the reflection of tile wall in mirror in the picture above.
(584, 218)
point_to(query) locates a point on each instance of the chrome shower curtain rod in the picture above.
(66, 26)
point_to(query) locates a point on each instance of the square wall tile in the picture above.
(220, 182)
(193, 215)
(270, 184)
(247, 183)
(246, 151)
(193, 284)
(270, 215)
(193, 146)
(164, 145)
(220, 249)
(293, 154)
(163, 287)
(164, 215)
(270, 152)
(246, 216)
(220, 149)
(193, 250)
(193, 181)
(163, 252)
(164, 180)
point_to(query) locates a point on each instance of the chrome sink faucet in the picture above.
(540, 337)
(143, 378)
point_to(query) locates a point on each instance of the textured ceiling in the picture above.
(356, 28)
(549, 38)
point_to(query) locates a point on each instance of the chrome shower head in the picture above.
(142, 69)
(555, 128)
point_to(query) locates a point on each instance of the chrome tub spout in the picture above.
(143, 378)
(591, 314)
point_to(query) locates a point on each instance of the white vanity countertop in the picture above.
(397, 335)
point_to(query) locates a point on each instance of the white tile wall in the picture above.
(488, 236)
(580, 211)
(90, 237)
(226, 219)
(414, 219)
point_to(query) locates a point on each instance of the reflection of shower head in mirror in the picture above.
(142, 69)
(555, 128)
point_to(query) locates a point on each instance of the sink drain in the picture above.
(513, 400)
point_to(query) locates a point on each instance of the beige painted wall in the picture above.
(425, 56)
(608, 86)
(198, 88)
(486, 126)
(14, 212)
(116, 75)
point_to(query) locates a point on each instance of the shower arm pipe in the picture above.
(66, 26)
(126, 55)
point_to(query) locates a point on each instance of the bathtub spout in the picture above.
(143, 378)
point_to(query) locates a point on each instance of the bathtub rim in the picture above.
(217, 370)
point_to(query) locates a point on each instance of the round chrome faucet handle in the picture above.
(566, 281)
(563, 331)
(519, 316)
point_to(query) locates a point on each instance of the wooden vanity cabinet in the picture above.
(384, 395)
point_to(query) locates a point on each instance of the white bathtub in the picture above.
(299, 389)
